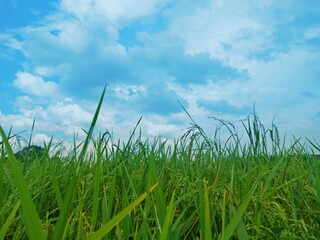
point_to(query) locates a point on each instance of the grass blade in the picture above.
(31, 219)
(62, 220)
(238, 215)
(167, 222)
(241, 230)
(6, 225)
(96, 188)
(106, 228)
(90, 132)
(207, 222)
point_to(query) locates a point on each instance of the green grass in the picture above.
(248, 187)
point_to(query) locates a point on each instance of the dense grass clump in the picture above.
(196, 188)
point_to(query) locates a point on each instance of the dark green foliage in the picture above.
(30, 153)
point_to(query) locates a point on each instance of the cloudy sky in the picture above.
(218, 58)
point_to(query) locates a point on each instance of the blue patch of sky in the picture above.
(167, 54)
(161, 102)
(90, 73)
(10, 63)
(307, 94)
(184, 7)
(305, 22)
(307, 19)
(222, 106)
(265, 55)
(55, 32)
(10, 59)
(150, 24)
(226, 46)
(292, 29)
(200, 68)
(44, 50)
(177, 121)
(313, 42)
(157, 22)
(16, 14)
(158, 99)
(282, 37)
(8, 97)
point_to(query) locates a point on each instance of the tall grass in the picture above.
(197, 188)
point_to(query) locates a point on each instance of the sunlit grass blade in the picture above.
(168, 220)
(62, 220)
(315, 144)
(90, 132)
(238, 215)
(53, 177)
(202, 212)
(106, 228)
(7, 223)
(2, 176)
(209, 188)
(66, 208)
(56, 188)
(96, 187)
(125, 223)
(242, 233)
(31, 217)
(80, 216)
(207, 221)
(158, 193)
(272, 174)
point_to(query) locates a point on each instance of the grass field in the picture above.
(196, 188)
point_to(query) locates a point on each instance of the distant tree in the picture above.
(30, 153)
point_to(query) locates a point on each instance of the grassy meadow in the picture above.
(249, 187)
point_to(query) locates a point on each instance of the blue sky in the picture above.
(218, 58)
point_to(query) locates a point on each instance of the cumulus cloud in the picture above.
(157, 126)
(213, 56)
(17, 122)
(222, 29)
(159, 55)
(60, 119)
(35, 85)
(70, 113)
(40, 138)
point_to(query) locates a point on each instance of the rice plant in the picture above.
(248, 187)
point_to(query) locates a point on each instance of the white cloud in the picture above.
(43, 71)
(127, 9)
(70, 112)
(79, 8)
(17, 122)
(35, 85)
(313, 32)
(40, 138)
(292, 71)
(58, 119)
(81, 47)
(9, 41)
(128, 92)
(115, 11)
(30, 107)
(225, 30)
(154, 129)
